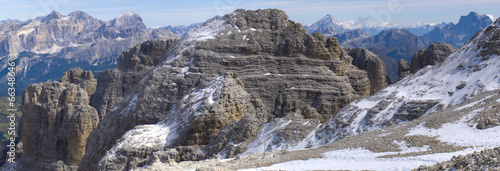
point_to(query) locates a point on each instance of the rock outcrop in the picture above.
(84, 79)
(404, 68)
(57, 120)
(432, 55)
(213, 92)
(113, 85)
(372, 64)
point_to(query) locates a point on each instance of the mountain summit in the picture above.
(328, 26)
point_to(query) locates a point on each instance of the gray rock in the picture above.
(432, 55)
(372, 64)
(85, 79)
(404, 68)
(57, 120)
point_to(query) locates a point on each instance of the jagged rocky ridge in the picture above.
(45, 47)
(216, 89)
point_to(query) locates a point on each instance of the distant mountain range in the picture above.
(393, 44)
(45, 47)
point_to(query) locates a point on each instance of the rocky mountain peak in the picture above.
(260, 19)
(79, 15)
(327, 25)
(120, 26)
(471, 23)
(127, 19)
(54, 15)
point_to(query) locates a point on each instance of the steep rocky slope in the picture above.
(57, 120)
(217, 90)
(45, 47)
(442, 111)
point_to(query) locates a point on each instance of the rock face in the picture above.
(213, 92)
(84, 79)
(372, 64)
(404, 68)
(46, 47)
(432, 55)
(57, 120)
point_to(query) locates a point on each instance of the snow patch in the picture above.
(25, 32)
(52, 50)
(461, 134)
(208, 31)
(363, 159)
(264, 140)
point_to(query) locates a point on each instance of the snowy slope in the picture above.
(464, 74)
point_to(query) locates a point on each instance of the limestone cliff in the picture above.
(372, 64)
(57, 120)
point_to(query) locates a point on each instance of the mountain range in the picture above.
(255, 90)
(45, 47)
(394, 44)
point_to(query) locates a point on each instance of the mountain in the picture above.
(205, 95)
(181, 31)
(45, 47)
(350, 36)
(252, 82)
(447, 111)
(391, 46)
(458, 34)
(9, 21)
(420, 30)
(329, 26)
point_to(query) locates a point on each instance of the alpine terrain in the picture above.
(254, 90)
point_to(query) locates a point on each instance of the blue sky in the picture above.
(167, 12)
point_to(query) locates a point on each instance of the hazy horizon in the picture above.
(163, 13)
